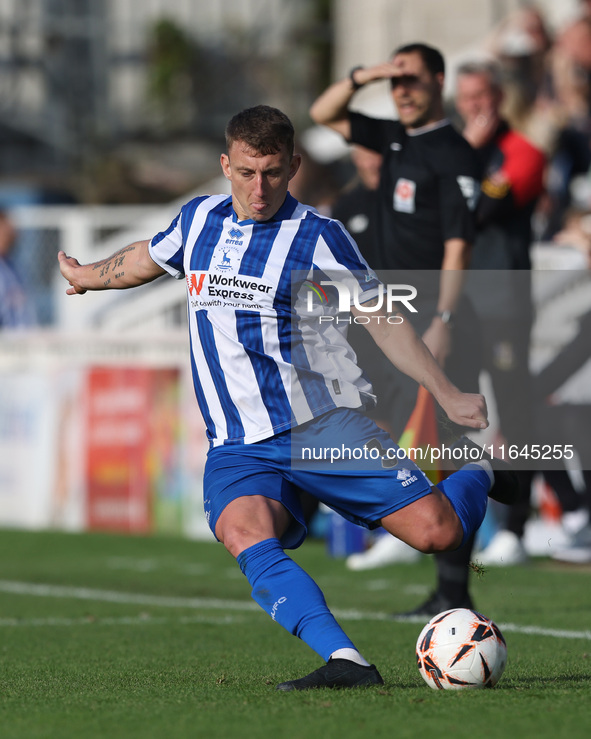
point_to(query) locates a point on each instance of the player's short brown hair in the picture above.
(264, 129)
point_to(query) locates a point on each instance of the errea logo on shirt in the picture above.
(235, 235)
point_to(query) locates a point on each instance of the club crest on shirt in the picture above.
(404, 195)
(226, 258)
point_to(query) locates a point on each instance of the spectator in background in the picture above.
(16, 307)
(522, 45)
(546, 85)
(572, 64)
(357, 205)
(513, 176)
(571, 82)
(513, 170)
(548, 98)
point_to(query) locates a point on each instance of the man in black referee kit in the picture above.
(428, 193)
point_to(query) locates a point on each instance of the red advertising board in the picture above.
(132, 420)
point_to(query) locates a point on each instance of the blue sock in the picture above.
(291, 597)
(467, 491)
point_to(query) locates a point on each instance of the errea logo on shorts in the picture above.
(406, 477)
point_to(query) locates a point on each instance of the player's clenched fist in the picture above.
(466, 409)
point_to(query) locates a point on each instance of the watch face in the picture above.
(445, 316)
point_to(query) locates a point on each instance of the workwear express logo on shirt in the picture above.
(212, 290)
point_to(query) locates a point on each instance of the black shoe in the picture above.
(506, 488)
(336, 673)
(436, 603)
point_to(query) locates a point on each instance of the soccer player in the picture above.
(272, 382)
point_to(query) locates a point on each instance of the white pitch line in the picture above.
(122, 621)
(112, 596)
(539, 631)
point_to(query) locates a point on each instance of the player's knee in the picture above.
(249, 520)
(236, 538)
(238, 534)
(441, 536)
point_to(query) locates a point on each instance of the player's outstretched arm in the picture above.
(129, 267)
(408, 352)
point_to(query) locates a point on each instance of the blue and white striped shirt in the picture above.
(262, 359)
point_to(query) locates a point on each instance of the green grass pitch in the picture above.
(108, 636)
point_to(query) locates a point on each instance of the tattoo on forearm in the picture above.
(113, 262)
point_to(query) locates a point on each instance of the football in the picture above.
(460, 649)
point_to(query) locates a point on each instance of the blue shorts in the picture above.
(341, 458)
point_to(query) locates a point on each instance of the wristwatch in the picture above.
(446, 317)
(355, 84)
